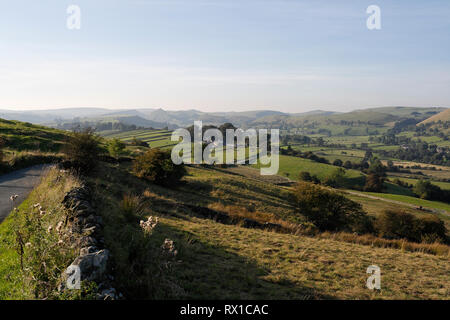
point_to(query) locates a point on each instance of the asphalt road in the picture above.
(19, 182)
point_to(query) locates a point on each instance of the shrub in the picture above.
(338, 163)
(329, 210)
(395, 225)
(139, 143)
(82, 150)
(156, 166)
(305, 176)
(116, 148)
(402, 225)
(430, 228)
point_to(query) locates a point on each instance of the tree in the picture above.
(337, 162)
(82, 150)
(156, 166)
(329, 210)
(336, 178)
(116, 148)
(348, 165)
(305, 176)
(424, 189)
(376, 176)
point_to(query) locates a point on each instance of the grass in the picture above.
(229, 262)
(442, 185)
(20, 284)
(292, 166)
(412, 200)
(155, 138)
(21, 136)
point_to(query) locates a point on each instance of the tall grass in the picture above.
(37, 242)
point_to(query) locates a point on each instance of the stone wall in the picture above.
(93, 256)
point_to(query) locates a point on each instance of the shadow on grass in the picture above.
(206, 271)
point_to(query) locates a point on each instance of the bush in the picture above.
(305, 176)
(83, 150)
(402, 225)
(336, 178)
(139, 143)
(156, 166)
(395, 225)
(116, 148)
(329, 210)
(430, 228)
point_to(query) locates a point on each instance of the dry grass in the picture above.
(221, 262)
(262, 217)
(436, 248)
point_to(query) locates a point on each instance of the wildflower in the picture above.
(59, 226)
(169, 247)
(150, 224)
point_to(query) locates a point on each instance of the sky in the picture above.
(224, 55)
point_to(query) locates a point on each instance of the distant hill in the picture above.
(160, 118)
(443, 116)
(408, 112)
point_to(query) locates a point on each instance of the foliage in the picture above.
(402, 225)
(336, 178)
(116, 147)
(132, 207)
(156, 166)
(424, 189)
(376, 176)
(329, 210)
(83, 150)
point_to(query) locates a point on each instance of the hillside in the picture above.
(20, 136)
(237, 235)
(442, 116)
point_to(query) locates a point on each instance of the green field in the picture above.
(292, 166)
(442, 185)
(412, 200)
(155, 138)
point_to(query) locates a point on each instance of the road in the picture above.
(443, 212)
(19, 182)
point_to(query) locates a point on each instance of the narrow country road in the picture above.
(19, 182)
(397, 202)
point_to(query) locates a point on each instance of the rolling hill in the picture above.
(442, 116)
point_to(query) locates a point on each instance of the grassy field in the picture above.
(292, 166)
(412, 200)
(229, 262)
(442, 185)
(155, 138)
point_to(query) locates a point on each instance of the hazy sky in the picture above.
(287, 55)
